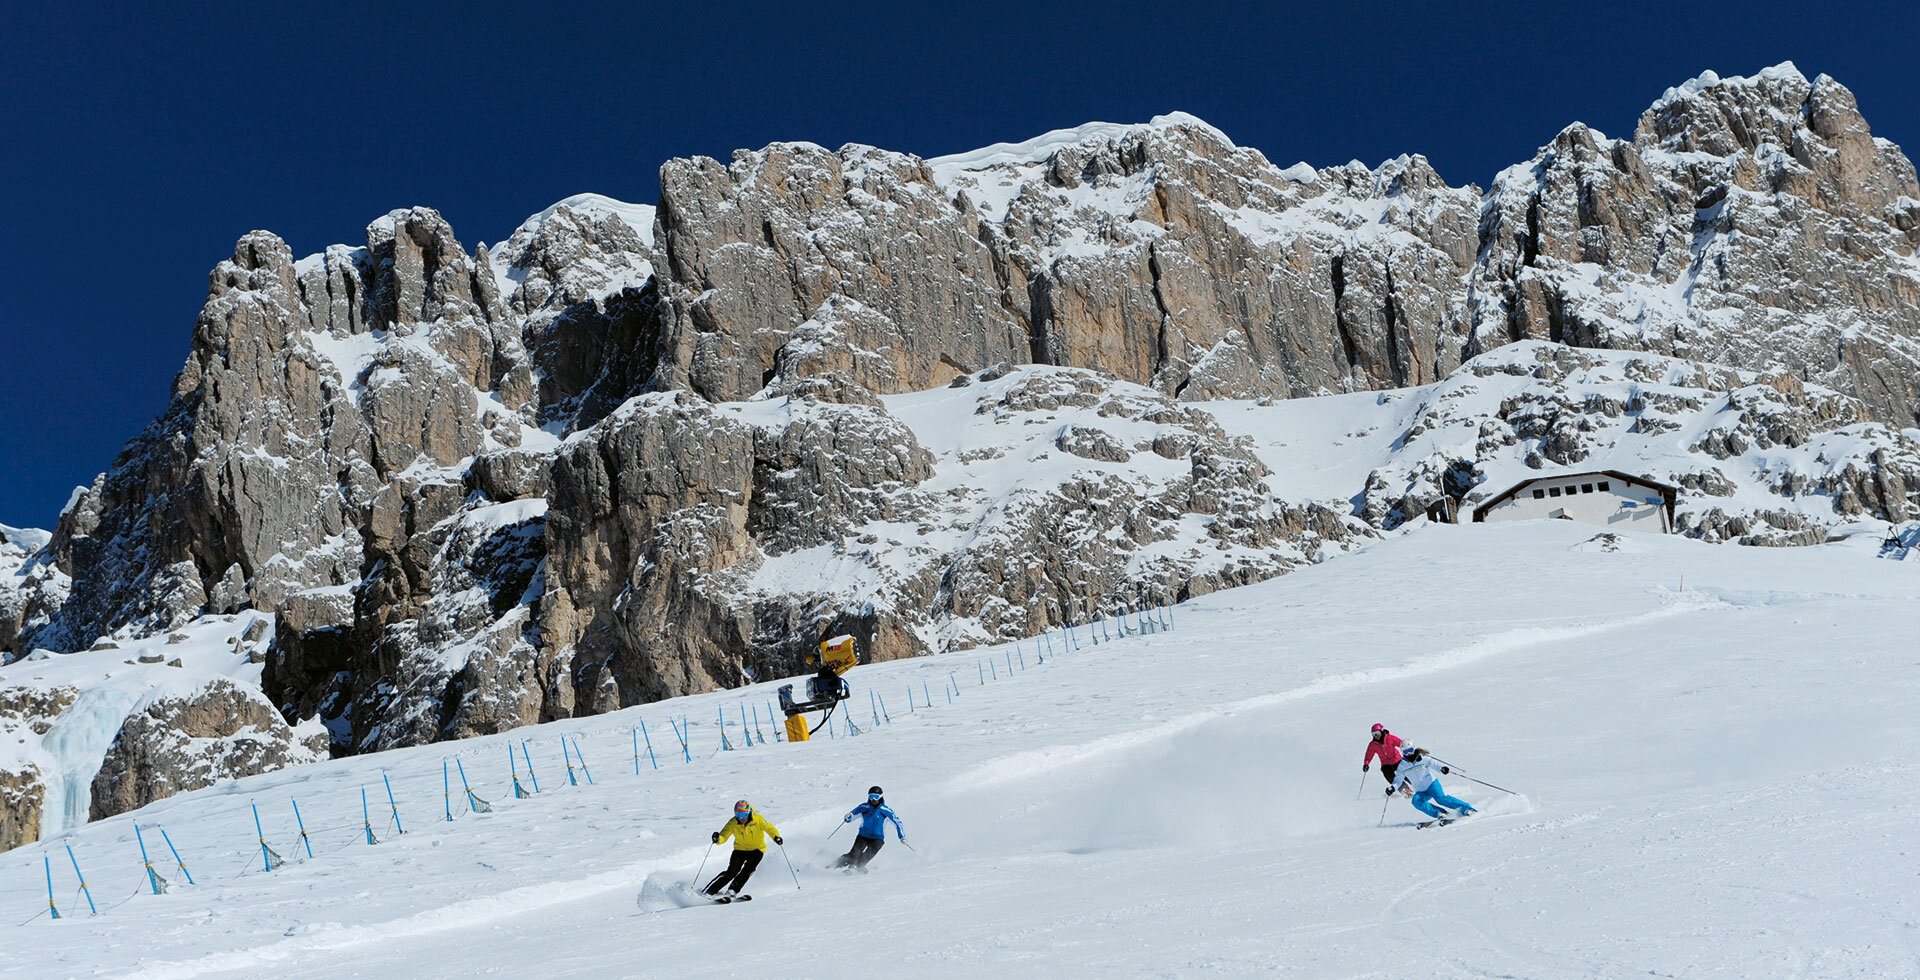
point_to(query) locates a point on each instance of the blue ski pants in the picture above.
(1430, 800)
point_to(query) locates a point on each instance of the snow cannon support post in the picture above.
(527, 757)
(474, 803)
(153, 878)
(366, 816)
(797, 728)
(83, 880)
(649, 738)
(677, 733)
(268, 857)
(302, 824)
(47, 862)
(583, 760)
(391, 803)
(182, 865)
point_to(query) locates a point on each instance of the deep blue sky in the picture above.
(138, 145)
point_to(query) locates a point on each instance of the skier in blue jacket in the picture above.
(873, 815)
(1416, 779)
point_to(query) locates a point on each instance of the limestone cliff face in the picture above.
(1162, 254)
(614, 457)
(1752, 222)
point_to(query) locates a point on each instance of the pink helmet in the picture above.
(1379, 728)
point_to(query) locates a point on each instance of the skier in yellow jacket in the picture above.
(749, 831)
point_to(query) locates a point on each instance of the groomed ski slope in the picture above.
(1719, 781)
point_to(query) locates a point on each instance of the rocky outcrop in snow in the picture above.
(176, 744)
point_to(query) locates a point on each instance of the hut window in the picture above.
(1572, 489)
(1538, 493)
(1553, 491)
(1602, 485)
(1586, 488)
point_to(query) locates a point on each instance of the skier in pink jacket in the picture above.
(1385, 745)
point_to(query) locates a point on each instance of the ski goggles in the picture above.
(873, 797)
(742, 810)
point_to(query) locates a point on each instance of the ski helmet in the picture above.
(874, 794)
(742, 809)
(1379, 727)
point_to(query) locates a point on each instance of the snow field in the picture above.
(1716, 783)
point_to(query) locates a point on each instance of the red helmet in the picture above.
(1379, 728)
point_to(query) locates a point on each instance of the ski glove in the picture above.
(716, 837)
(1444, 771)
(777, 840)
(1389, 793)
(849, 819)
(1366, 767)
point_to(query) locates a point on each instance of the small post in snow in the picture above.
(182, 865)
(396, 807)
(153, 878)
(302, 824)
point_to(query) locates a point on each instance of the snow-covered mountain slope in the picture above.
(633, 452)
(1761, 459)
(1708, 784)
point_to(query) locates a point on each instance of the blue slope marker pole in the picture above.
(566, 754)
(303, 829)
(583, 761)
(446, 787)
(993, 668)
(875, 705)
(746, 734)
(636, 751)
(528, 758)
(1009, 654)
(391, 803)
(47, 862)
(926, 690)
(83, 880)
(366, 816)
(883, 708)
(152, 878)
(649, 738)
(176, 855)
(677, 733)
(266, 855)
(773, 721)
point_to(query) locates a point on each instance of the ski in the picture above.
(729, 899)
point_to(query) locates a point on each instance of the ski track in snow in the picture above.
(1704, 775)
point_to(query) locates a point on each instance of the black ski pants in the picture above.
(1387, 770)
(739, 869)
(864, 848)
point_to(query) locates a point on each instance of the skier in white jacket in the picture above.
(1416, 779)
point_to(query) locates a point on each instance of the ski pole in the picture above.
(1363, 785)
(1383, 811)
(703, 866)
(1455, 771)
(795, 874)
(910, 847)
